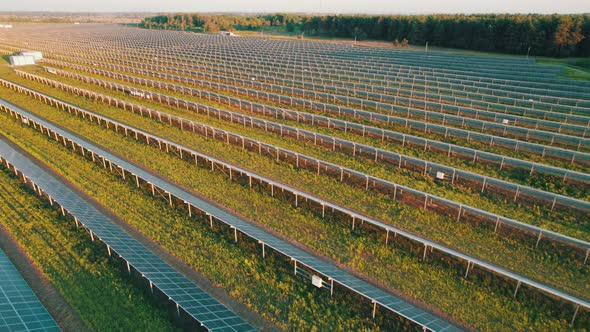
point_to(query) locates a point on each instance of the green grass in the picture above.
(574, 68)
(80, 270)
(365, 252)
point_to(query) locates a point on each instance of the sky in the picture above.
(307, 6)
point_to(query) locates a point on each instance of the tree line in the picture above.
(543, 35)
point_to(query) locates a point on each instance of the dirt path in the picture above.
(57, 306)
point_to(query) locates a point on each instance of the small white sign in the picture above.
(317, 281)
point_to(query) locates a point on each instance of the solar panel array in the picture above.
(527, 195)
(163, 142)
(445, 124)
(378, 296)
(526, 123)
(422, 198)
(20, 309)
(196, 302)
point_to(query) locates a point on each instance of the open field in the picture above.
(492, 219)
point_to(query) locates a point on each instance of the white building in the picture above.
(5, 26)
(35, 54)
(21, 60)
(227, 33)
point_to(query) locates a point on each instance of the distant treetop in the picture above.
(546, 35)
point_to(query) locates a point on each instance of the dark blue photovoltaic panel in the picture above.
(20, 309)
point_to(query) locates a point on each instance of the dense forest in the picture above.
(547, 35)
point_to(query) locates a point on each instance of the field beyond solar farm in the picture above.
(293, 184)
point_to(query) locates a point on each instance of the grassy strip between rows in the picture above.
(541, 181)
(375, 142)
(561, 221)
(510, 252)
(483, 303)
(80, 270)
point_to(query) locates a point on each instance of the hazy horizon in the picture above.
(308, 6)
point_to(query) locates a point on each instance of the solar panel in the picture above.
(192, 299)
(20, 309)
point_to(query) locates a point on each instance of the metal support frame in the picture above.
(517, 287)
(374, 309)
(575, 314)
(331, 286)
(538, 239)
(469, 264)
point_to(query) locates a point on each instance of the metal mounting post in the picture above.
(374, 309)
(517, 287)
(575, 313)
(538, 239)
(331, 287)
(468, 267)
